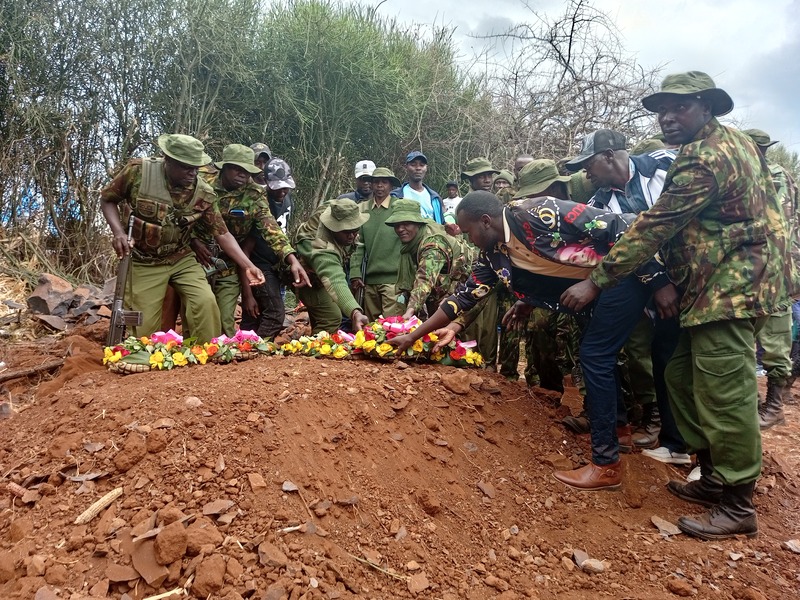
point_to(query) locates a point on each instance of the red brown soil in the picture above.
(448, 496)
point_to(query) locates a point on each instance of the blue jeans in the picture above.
(614, 317)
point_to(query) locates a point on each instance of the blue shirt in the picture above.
(423, 198)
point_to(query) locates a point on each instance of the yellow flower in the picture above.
(171, 344)
(179, 359)
(437, 356)
(369, 345)
(325, 350)
(145, 340)
(202, 357)
(359, 341)
(384, 349)
(433, 337)
(109, 356)
(340, 352)
(157, 359)
(418, 347)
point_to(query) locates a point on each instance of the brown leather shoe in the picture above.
(592, 477)
(625, 437)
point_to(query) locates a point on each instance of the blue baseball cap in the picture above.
(416, 154)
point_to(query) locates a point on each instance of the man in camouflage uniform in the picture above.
(432, 263)
(551, 338)
(244, 208)
(161, 200)
(326, 242)
(479, 172)
(719, 224)
(776, 336)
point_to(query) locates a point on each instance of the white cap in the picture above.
(364, 167)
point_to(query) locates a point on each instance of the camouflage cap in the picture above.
(239, 155)
(692, 83)
(760, 137)
(343, 215)
(648, 145)
(406, 211)
(384, 173)
(537, 176)
(260, 148)
(505, 176)
(184, 148)
(594, 143)
(279, 174)
(476, 166)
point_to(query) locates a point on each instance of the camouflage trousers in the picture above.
(551, 350)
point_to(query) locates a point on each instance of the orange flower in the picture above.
(245, 346)
(211, 349)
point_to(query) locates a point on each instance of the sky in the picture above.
(751, 48)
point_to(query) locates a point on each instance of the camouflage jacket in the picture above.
(246, 210)
(567, 239)
(124, 189)
(443, 262)
(720, 227)
(786, 189)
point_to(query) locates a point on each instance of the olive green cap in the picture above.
(760, 137)
(648, 145)
(384, 173)
(537, 176)
(343, 215)
(239, 155)
(406, 211)
(505, 175)
(184, 148)
(692, 83)
(476, 166)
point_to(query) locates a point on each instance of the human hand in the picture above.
(201, 251)
(667, 301)
(121, 245)
(249, 304)
(356, 283)
(401, 342)
(578, 296)
(254, 276)
(358, 320)
(452, 228)
(517, 316)
(445, 336)
(299, 273)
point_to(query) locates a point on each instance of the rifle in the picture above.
(119, 316)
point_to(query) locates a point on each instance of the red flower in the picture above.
(245, 346)
(459, 353)
(368, 335)
(337, 339)
(390, 335)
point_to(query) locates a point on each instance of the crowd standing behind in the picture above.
(649, 276)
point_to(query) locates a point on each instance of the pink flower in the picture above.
(346, 337)
(159, 337)
(246, 336)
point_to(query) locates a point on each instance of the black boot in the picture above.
(706, 491)
(579, 424)
(734, 515)
(771, 412)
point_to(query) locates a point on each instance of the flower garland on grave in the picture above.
(166, 351)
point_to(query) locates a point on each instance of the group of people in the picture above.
(674, 259)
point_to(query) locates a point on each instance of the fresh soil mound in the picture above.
(290, 477)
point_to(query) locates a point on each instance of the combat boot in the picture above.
(706, 491)
(734, 515)
(771, 412)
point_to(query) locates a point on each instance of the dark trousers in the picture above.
(666, 333)
(614, 317)
(271, 311)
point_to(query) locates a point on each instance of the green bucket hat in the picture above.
(184, 149)
(384, 173)
(537, 176)
(505, 176)
(760, 137)
(405, 211)
(476, 166)
(648, 145)
(693, 83)
(343, 215)
(239, 155)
